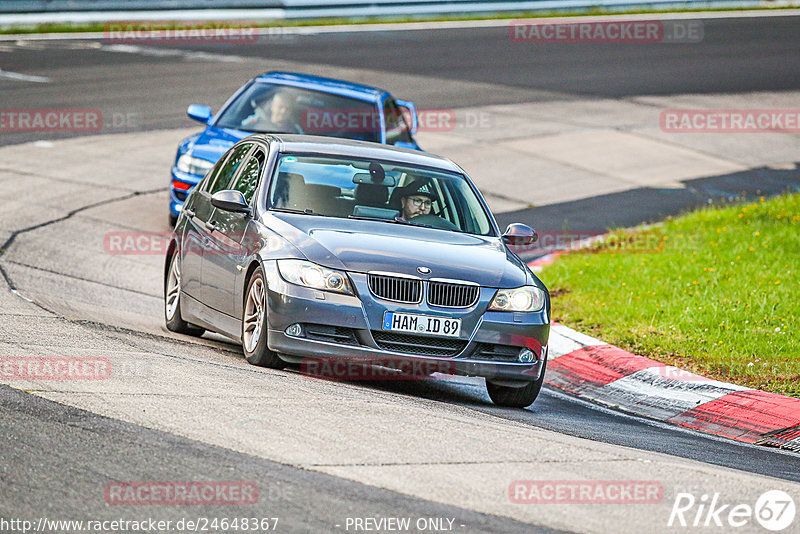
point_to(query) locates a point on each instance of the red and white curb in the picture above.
(591, 369)
(539, 263)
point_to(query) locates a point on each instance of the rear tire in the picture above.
(254, 324)
(173, 220)
(172, 302)
(512, 397)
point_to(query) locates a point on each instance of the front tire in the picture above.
(520, 397)
(254, 324)
(172, 302)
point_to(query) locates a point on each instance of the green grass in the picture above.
(276, 23)
(715, 292)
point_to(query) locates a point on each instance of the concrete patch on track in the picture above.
(99, 185)
(559, 151)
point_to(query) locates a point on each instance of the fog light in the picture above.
(294, 330)
(526, 356)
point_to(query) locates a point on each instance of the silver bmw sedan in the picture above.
(342, 255)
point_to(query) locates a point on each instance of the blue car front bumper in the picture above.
(178, 196)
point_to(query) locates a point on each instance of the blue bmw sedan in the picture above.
(315, 249)
(282, 102)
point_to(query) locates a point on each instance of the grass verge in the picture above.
(715, 292)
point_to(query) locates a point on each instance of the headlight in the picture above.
(521, 299)
(188, 164)
(305, 273)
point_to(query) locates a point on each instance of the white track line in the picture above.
(23, 77)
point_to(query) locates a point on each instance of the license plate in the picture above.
(421, 324)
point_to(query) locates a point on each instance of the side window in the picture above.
(248, 178)
(396, 127)
(228, 170)
(211, 175)
(449, 208)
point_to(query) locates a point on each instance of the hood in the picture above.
(214, 142)
(363, 246)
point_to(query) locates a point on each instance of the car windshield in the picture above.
(377, 190)
(265, 108)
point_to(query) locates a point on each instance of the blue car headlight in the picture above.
(305, 273)
(520, 299)
(191, 165)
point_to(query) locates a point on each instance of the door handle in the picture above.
(211, 226)
(190, 213)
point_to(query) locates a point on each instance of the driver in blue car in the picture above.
(278, 114)
(416, 199)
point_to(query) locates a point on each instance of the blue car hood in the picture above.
(214, 142)
(363, 246)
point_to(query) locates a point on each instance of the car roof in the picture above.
(327, 85)
(335, 146)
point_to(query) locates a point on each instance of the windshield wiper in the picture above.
(292, 210)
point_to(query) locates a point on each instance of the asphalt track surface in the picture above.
(735, 56)
(471, 66)
(303, 500)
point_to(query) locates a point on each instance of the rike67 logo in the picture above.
(774, 510)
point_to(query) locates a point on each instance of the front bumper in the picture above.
(362, 315)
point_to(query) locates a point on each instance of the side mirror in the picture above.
(411, 109)
(230, 200)
(199, 113)
(519, 235)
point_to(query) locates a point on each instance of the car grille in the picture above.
(331, 334)
(489, 351)
(409, 290)
(452, 295)
(394, 288)
(419, 345)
